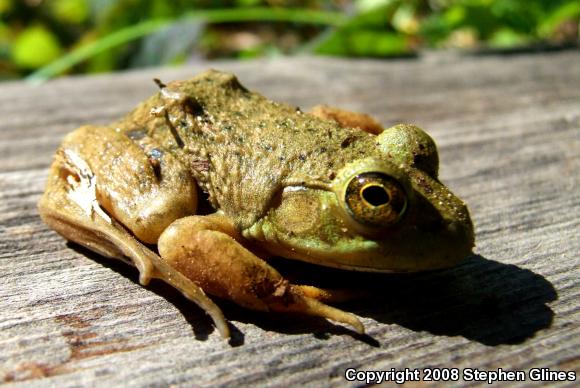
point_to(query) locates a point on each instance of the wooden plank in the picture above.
(508, 134)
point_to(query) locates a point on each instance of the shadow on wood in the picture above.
(481, 300)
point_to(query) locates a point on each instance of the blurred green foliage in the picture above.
(50, 37)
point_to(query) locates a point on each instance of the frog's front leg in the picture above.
(209, 251)
(349, 119)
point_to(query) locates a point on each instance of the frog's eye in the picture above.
(375, 199)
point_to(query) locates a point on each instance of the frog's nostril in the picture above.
(375, 195)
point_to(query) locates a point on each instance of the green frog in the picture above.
(206, 180)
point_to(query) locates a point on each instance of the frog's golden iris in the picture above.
(375, 199)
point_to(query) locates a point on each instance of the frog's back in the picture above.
(240, 146)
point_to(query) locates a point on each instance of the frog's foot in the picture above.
(345, 118)
(209, 251)
(69, 206)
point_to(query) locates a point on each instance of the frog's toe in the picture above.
(331, 296)
(293, 300)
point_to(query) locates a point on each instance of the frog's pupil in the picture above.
(375, 195)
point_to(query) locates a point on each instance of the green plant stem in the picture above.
(128, 34)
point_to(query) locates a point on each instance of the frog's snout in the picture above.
(440, 232)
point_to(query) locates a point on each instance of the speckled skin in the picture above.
(241, 148)
(276, 182)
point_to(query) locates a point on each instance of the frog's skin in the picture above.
(221, 178)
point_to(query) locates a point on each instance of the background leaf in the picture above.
(34, 47)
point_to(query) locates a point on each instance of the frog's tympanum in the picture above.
(204, 181)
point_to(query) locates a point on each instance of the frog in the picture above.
(204, 182)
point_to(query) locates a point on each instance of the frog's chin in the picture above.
(321, 260)
(369, 260)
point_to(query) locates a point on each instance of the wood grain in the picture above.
(508, 130)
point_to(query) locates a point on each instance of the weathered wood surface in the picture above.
(508, 130)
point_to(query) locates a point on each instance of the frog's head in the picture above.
(386, 213)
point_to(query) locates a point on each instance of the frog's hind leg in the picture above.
(349, 119)
(209, 250)
(70, 206)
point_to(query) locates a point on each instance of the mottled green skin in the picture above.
(243, 147)
(243, 150)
